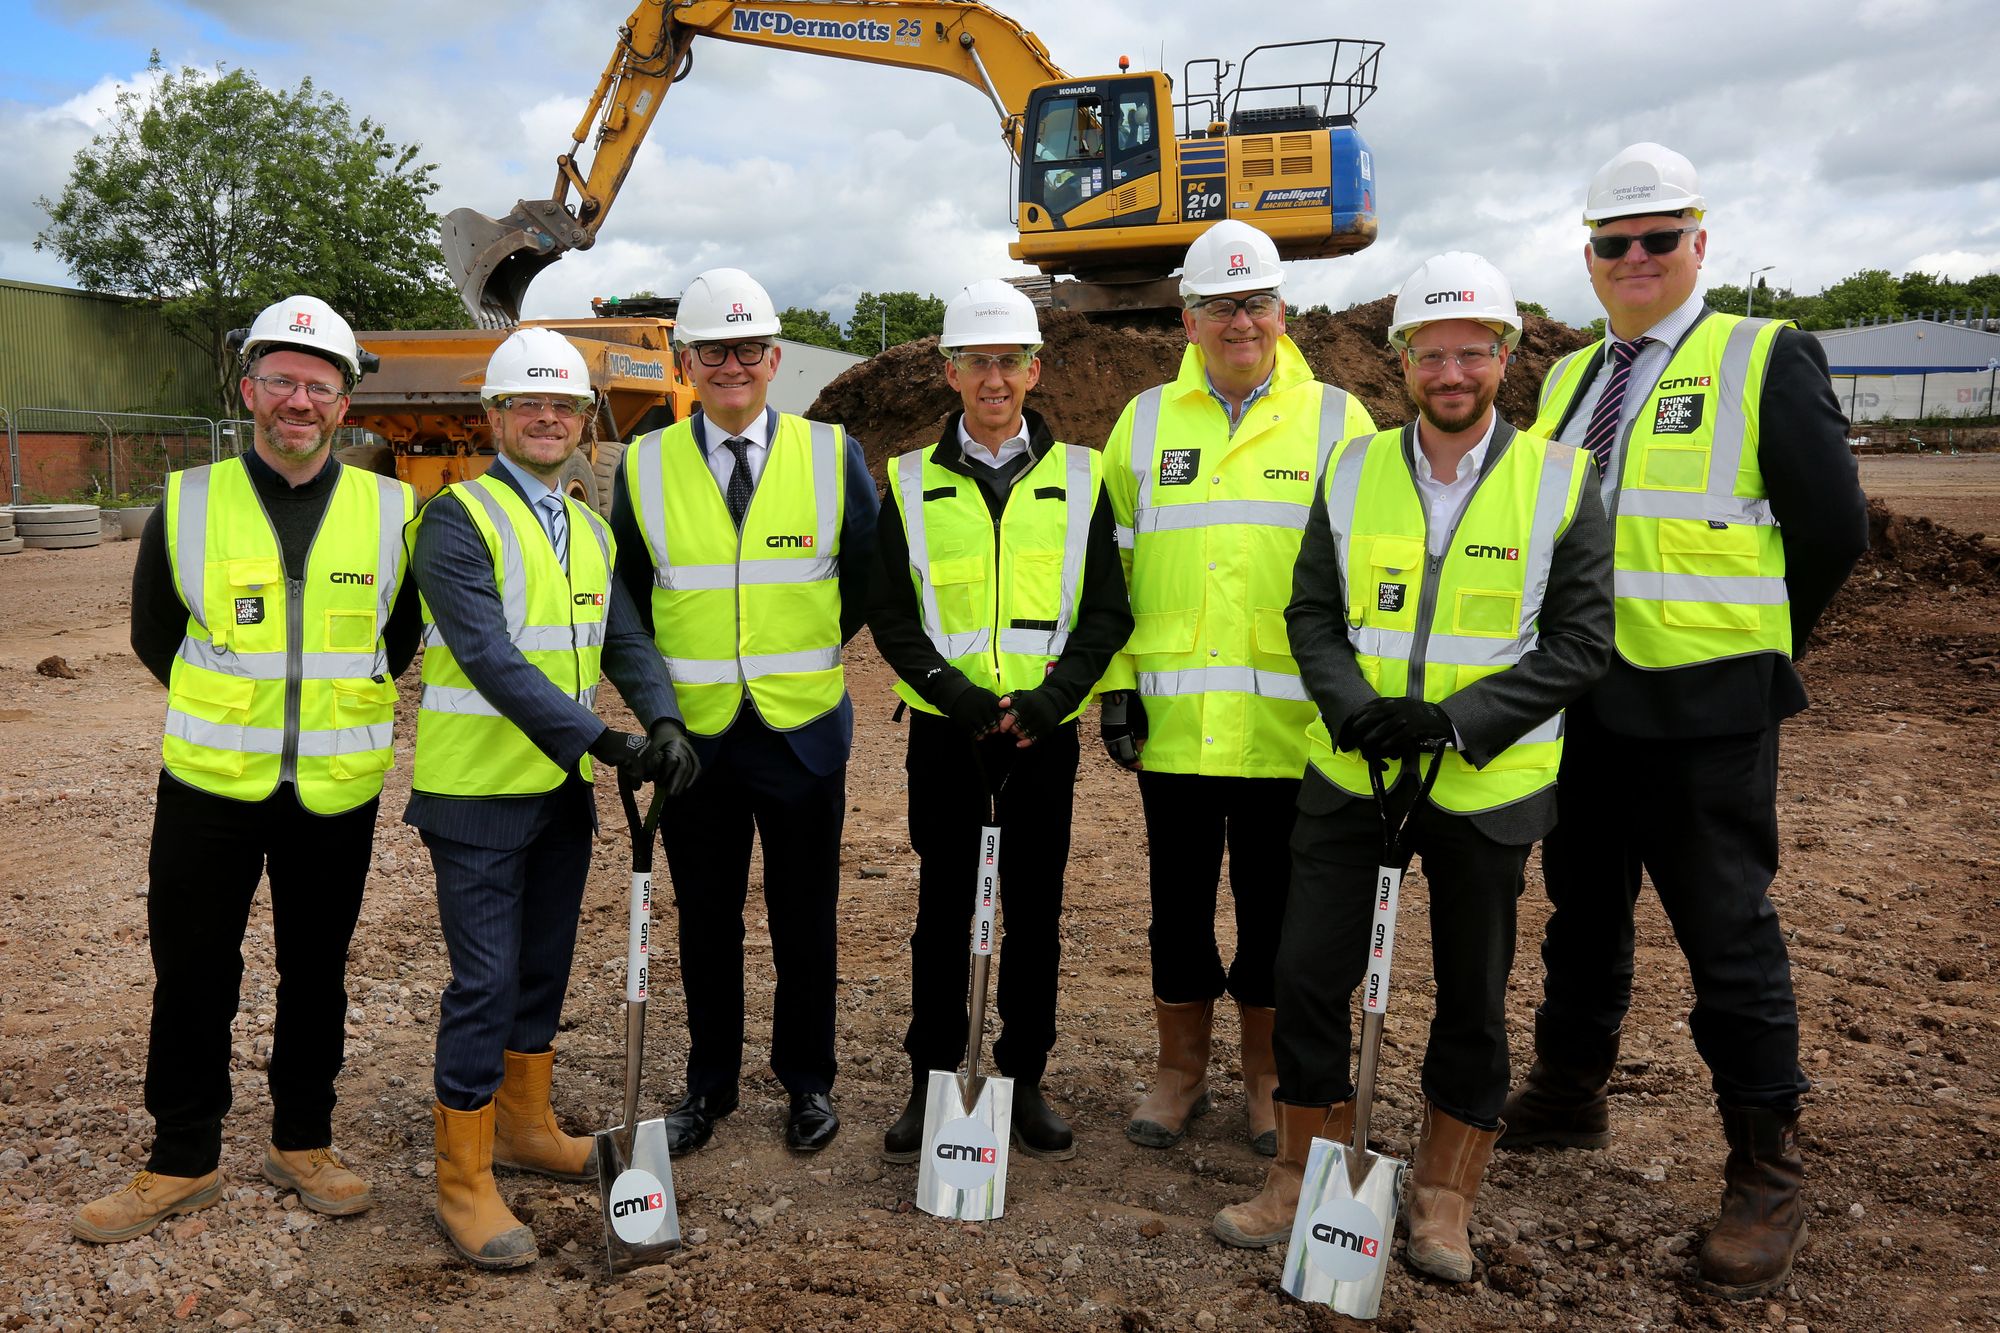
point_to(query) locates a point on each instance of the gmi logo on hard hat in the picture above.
(1450, 298)
(737, 314)
(548, 372)
(302, 322)
(1239, 266)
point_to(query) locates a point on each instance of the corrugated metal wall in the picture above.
(80, 350)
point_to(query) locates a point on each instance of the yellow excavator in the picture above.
(1108, 190)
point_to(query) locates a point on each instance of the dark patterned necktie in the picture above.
(738, 495)
(1603, 432)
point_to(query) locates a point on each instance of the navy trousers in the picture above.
(509, 919)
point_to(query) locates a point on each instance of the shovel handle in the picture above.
(643, 827)
(638, 940)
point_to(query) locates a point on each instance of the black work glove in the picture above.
(976, 709)
(1389, 728)
(1121, 723)
(622, 750)
(670, 759)
(1035, 715)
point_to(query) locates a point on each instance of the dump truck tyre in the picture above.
(609, 452)
(377, 458)
(579, 481)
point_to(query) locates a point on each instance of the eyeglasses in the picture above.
(716, 354)
(977, 364)
(1473, 359)
(1222, 309)
(1656, 242)
(562, 409)
(282, 386)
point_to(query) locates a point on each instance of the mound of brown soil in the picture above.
(899, 400)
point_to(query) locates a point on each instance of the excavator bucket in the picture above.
(494, 260)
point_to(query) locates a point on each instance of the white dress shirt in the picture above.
(1012, 447)
(1646, 368)
(1444, 501)
(722, 463)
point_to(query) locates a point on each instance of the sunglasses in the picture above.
(1655, 242)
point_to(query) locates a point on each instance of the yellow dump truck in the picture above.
(423, 401)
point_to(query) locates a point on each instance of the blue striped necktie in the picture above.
(1603, 432)
(557, 522)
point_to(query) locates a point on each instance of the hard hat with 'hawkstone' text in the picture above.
(537, 361)
(1645, 178)
(990, 312)
(1231, 256)
(724, 303)
(1455, 285)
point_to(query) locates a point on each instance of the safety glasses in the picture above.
(1655, 242)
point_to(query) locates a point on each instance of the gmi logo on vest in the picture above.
(637, 1203)
(804, 540)
(1367, 1246)
(1479, 552)
(966, 1152)
(1686, 382)
(587, 598)
(1287, 474)
(342, 576)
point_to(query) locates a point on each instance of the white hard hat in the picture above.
(536, 361)
(308, 324)
(1231, 256)
(724, 303)
(990, 311)
(1455, 285)
(1645, 178)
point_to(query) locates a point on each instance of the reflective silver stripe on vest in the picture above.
(1447, 649)
(1548, 729)
(717, 578)
(1332, 425)
(671, 577)
(1343, 490)
(1731, 422)
(538, 638)
(513, 572)
(910, 475)
(1553, 378)
(723, 671)
(393, 515)
(1080, 497)
(1214, 513)
(1709, 508)
(1224, 680)
(455, 699)
(1033, 642)
(271, 666)
(271, 740)
(191, 541)
(1551, 500)
(1747, 591)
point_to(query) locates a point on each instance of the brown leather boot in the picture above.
(1763, 1224)
(1444, 1180)
(1266, 1219)
(525, 1134)
(469, 1208)
(320, 1178)
(147, 1201)
(1180, 1084)
(1260, 1077)
(1564, 1102)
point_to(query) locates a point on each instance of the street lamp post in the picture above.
(1750, 288)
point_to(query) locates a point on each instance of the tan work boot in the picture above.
(1763, 1224)
(469, 1208)
(322, 1180)
(525, 1134)
(1267, 1219)
(142, 1205)
(1260, 1076)
(1180, 1084)
(1444, 1180)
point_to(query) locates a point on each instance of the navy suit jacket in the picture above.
(455, 574)
(821, 745)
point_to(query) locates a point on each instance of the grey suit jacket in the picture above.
(1572, 649)
(455, 574)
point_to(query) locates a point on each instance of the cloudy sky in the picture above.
(1830, 137)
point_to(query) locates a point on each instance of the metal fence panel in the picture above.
(107, 458)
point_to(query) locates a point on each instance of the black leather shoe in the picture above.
(904, 1139)
(1037, 1127)
(812, 1123)
(692, 1123)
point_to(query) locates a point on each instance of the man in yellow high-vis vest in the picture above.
(1210, 476)
(521, 619)
(1738, 513)
(1453, 592)
(747, 538)
(269, 598)
(998, 601)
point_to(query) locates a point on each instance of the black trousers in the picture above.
(756, 784)
(1700, 818)
(1474, 883)
(207, 857)
(1189, 818)
(509, 919)
(948, 776)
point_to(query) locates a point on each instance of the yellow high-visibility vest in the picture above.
(282, 681)
(1699, 563)
(754, 612)
(1426, 626)
(997, 601)
(1209, 524)
(555, 618)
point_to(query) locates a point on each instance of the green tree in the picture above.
(805, 324)
(1533, 308)
(215, 196)
(909, 317)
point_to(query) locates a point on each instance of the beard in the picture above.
(1452, 420)
(285, 441)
